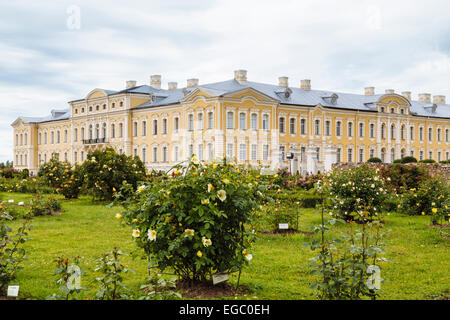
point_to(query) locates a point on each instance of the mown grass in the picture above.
(419, 267)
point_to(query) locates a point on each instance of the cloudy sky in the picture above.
(52, 52)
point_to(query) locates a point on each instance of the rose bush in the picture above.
(106, 170)
(195, 221)
(356, 193)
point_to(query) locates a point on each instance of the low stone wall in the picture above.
(434, 169)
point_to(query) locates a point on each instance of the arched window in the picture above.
(317, 127)
(350, 129)
(383, 131)
(91, 132)
(402, 132)
(253, 121)
(104, 131)
(392, 155)
(97, 131)
(113, 131)
(393, 131)
(383, 155)
(191, 122)
(338, 128)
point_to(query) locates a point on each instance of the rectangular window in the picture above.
(176, 123)
(230, 151)
(176, 153)
(200, 152)
(361, 130)
(338, 155)
(210, 151)
(144, 155)
(317, 127)
(327, 128)
(338, 128)
(155, 154)
(372, 130)
(254, 152)
(164, 154)
(361, 155)
(164, 126)
(210, 120)
(191, 122)
(155, 127)
(265, 152)
(144, 128)
(265, 122)
(282, 125)
(303, 126)
(200, 121)
(350, 129)
(230, 124)
(242, 152)
(292, 125)
(350, 155)
(253, 121)
(411, 133)
(191, 150)
(135, 129)
(430, 135)
(242, 121)
(282, 153)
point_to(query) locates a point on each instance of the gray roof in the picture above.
(55, 115)
(297, 96)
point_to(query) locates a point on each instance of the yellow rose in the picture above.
(199, 254)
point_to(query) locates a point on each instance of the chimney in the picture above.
(172, 85)
(155, 81)
(131, 84)
(407, 94)
(424, 97)
(439, 99)
(305, 84)
(390, 91)
(192, 83)
(283, 82)
(369, 91)
(240, 76)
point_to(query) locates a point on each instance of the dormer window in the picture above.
(392, 110)
(121, 104)
(76, 111)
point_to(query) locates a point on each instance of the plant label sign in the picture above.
(283, 226)
(219, 277)
(13, 291)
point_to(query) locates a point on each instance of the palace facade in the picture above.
(250, 122)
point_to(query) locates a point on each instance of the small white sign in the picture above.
(13, 291)
(219, 277)
(11, 200)
(21, 203)
(283, 226)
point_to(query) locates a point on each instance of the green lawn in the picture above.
(419, 268)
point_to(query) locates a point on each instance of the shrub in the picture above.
(105, 171)
(25, 173)
(391, 204)
(283, 209)
(53, 172)
(30, 185)
(431, 194)
(408, 159)
(310, 201)
(374, 160)
(12, 252)
(195, 222)
(357, 192)
(71, 182)
(400, 178)
(397, 161)
(41, 207)
(427, 161)
(9, 173)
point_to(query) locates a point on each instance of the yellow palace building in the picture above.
(249, 122)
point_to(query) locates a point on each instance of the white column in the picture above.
(330, 157)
